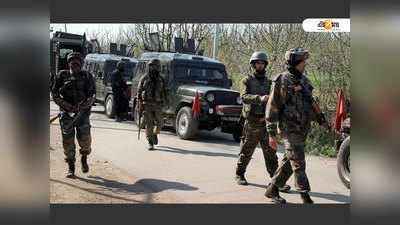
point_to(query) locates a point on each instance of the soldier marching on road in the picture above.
(74, 92)
(254, 91)
(290, 107)
(152, 94)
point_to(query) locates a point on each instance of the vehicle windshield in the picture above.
(199, 72)
(128, 74)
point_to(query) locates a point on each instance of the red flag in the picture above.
(340, 112)
(196, 106)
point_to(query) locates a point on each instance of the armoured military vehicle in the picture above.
(101, 66)
(62, 43)
(185, 75)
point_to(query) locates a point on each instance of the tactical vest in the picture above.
(260, 88)
(297, 113)
(75, 88)
(153, 90)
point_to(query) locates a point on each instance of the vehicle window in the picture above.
(198, 72)
(64, 52)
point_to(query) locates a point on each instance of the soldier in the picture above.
(289, 105)
(119, 87)
(254, 91)
(152, 93)
(74, 91)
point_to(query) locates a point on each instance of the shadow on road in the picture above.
(148, 196)
(333, 197)
(142, 186)
(185, 151)
(152, 186)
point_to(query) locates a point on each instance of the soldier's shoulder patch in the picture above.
(246, 79)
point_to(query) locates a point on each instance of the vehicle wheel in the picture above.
(343, 162)
(109, 106)
(186, 126)
(136, 118)
(237, 133)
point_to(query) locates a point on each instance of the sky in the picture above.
(80, 28)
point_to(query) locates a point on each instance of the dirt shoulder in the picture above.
(105, 183)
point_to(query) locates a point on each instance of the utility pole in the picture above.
(216, 41)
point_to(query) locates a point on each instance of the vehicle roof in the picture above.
(107, 57)
(174, 56)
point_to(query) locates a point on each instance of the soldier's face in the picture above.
(75, 65)
(260, 65)
(155, 68)
(302, 66)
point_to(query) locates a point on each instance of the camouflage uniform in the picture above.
(254, 131)
(152, 93)
(294, 114)
(252, 88)
(68, 91)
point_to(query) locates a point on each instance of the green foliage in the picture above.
(319, 140)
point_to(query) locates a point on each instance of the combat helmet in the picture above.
(121, 64)
(74, 55)
(259, 56)
(296, 55)
(154, 61)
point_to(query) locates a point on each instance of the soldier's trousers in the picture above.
(294, 161)
(119, 101)
(153, 119)
(82, 130)
(254, 133)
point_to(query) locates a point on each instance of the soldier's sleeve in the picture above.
(319, 118)
(58, 83)
(248, 98)
(140, 89)
(91, 93)
(274, 107)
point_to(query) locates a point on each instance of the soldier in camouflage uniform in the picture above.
(74, 92)
(254, 91)
(288, 107)
(152, 93)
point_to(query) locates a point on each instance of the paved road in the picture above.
(200, 170)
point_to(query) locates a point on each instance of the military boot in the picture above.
(71, 169)
(272, 192)
(150, 146)
(118, 119)
(285, 188)
(155, 139)
(239, 177)
(306, 198)
(85, 166)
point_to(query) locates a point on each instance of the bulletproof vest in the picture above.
(153, 89)
(75, 88)
(297, 112)
(256, 87)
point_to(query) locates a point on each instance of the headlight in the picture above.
(210, 97)
(239, 100)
